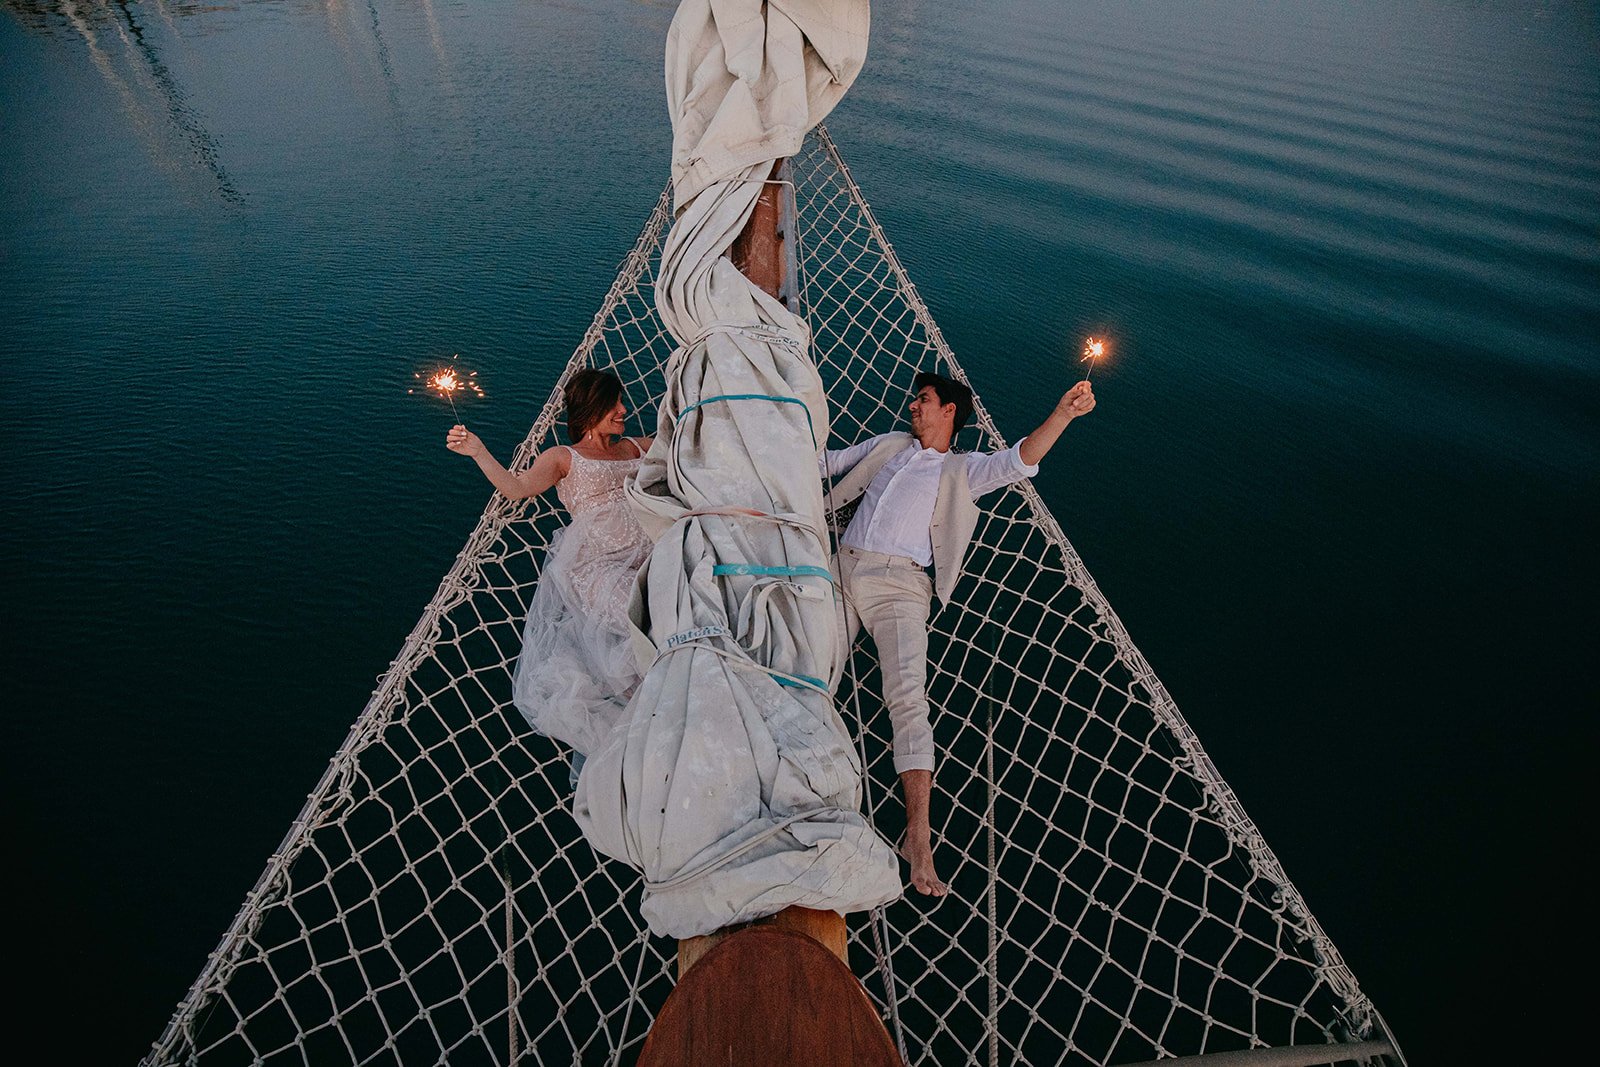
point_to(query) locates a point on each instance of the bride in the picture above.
(577, 667)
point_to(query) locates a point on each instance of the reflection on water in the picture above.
(148, 93)
(134, 48)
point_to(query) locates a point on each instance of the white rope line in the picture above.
(990, 966)
(741, 660)
(633, 995)
(760, 181)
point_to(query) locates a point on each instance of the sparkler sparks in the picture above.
(1093, 349)
(448, 382)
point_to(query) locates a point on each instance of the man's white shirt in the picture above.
(897, 507)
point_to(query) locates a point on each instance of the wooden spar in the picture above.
(762, 247)
(771, 997)
(824, 927)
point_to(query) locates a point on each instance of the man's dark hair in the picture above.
(590, 394)
(950, 392)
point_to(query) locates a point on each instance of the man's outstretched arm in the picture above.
(832, 462)
(1079, 400)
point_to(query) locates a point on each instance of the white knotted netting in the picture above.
(1111, 902)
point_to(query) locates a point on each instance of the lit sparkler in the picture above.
(449, 381)
(1093, 349)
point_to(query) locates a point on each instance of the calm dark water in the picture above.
(1341, 485)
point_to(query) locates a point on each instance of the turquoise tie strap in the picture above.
(757, 396)
(800, 681)
(757, 569)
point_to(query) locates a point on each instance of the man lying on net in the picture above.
(918, 511)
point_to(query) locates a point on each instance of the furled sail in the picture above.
(732, 782)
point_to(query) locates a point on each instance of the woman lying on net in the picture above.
(577, 668)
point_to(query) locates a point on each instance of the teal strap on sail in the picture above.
(757, 396)
(753, 568)
(801, 681)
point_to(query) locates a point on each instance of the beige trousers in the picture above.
(890, 596)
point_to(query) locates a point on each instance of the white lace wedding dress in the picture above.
(577, 668)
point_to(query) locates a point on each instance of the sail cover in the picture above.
(731, 781)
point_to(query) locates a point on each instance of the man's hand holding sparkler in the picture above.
(1079, 400)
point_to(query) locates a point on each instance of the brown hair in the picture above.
(950, 392)
(590, 395)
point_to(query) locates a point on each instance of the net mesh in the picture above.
(1111, 902)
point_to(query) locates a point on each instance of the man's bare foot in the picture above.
(923, 878)
(916, 846)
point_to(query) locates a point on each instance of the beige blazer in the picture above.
(955, 513)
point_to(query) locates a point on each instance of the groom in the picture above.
(918, 511)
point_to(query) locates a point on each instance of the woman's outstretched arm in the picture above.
(546, 470)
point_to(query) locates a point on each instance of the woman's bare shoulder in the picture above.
(556, 460)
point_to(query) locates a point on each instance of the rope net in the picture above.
(1110, 900)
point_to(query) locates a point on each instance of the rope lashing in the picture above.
(698, 638)
(797, 522)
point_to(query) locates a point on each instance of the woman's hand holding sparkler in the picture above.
(547, 468)
(463, 441)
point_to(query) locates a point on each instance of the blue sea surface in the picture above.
(1341, 485)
